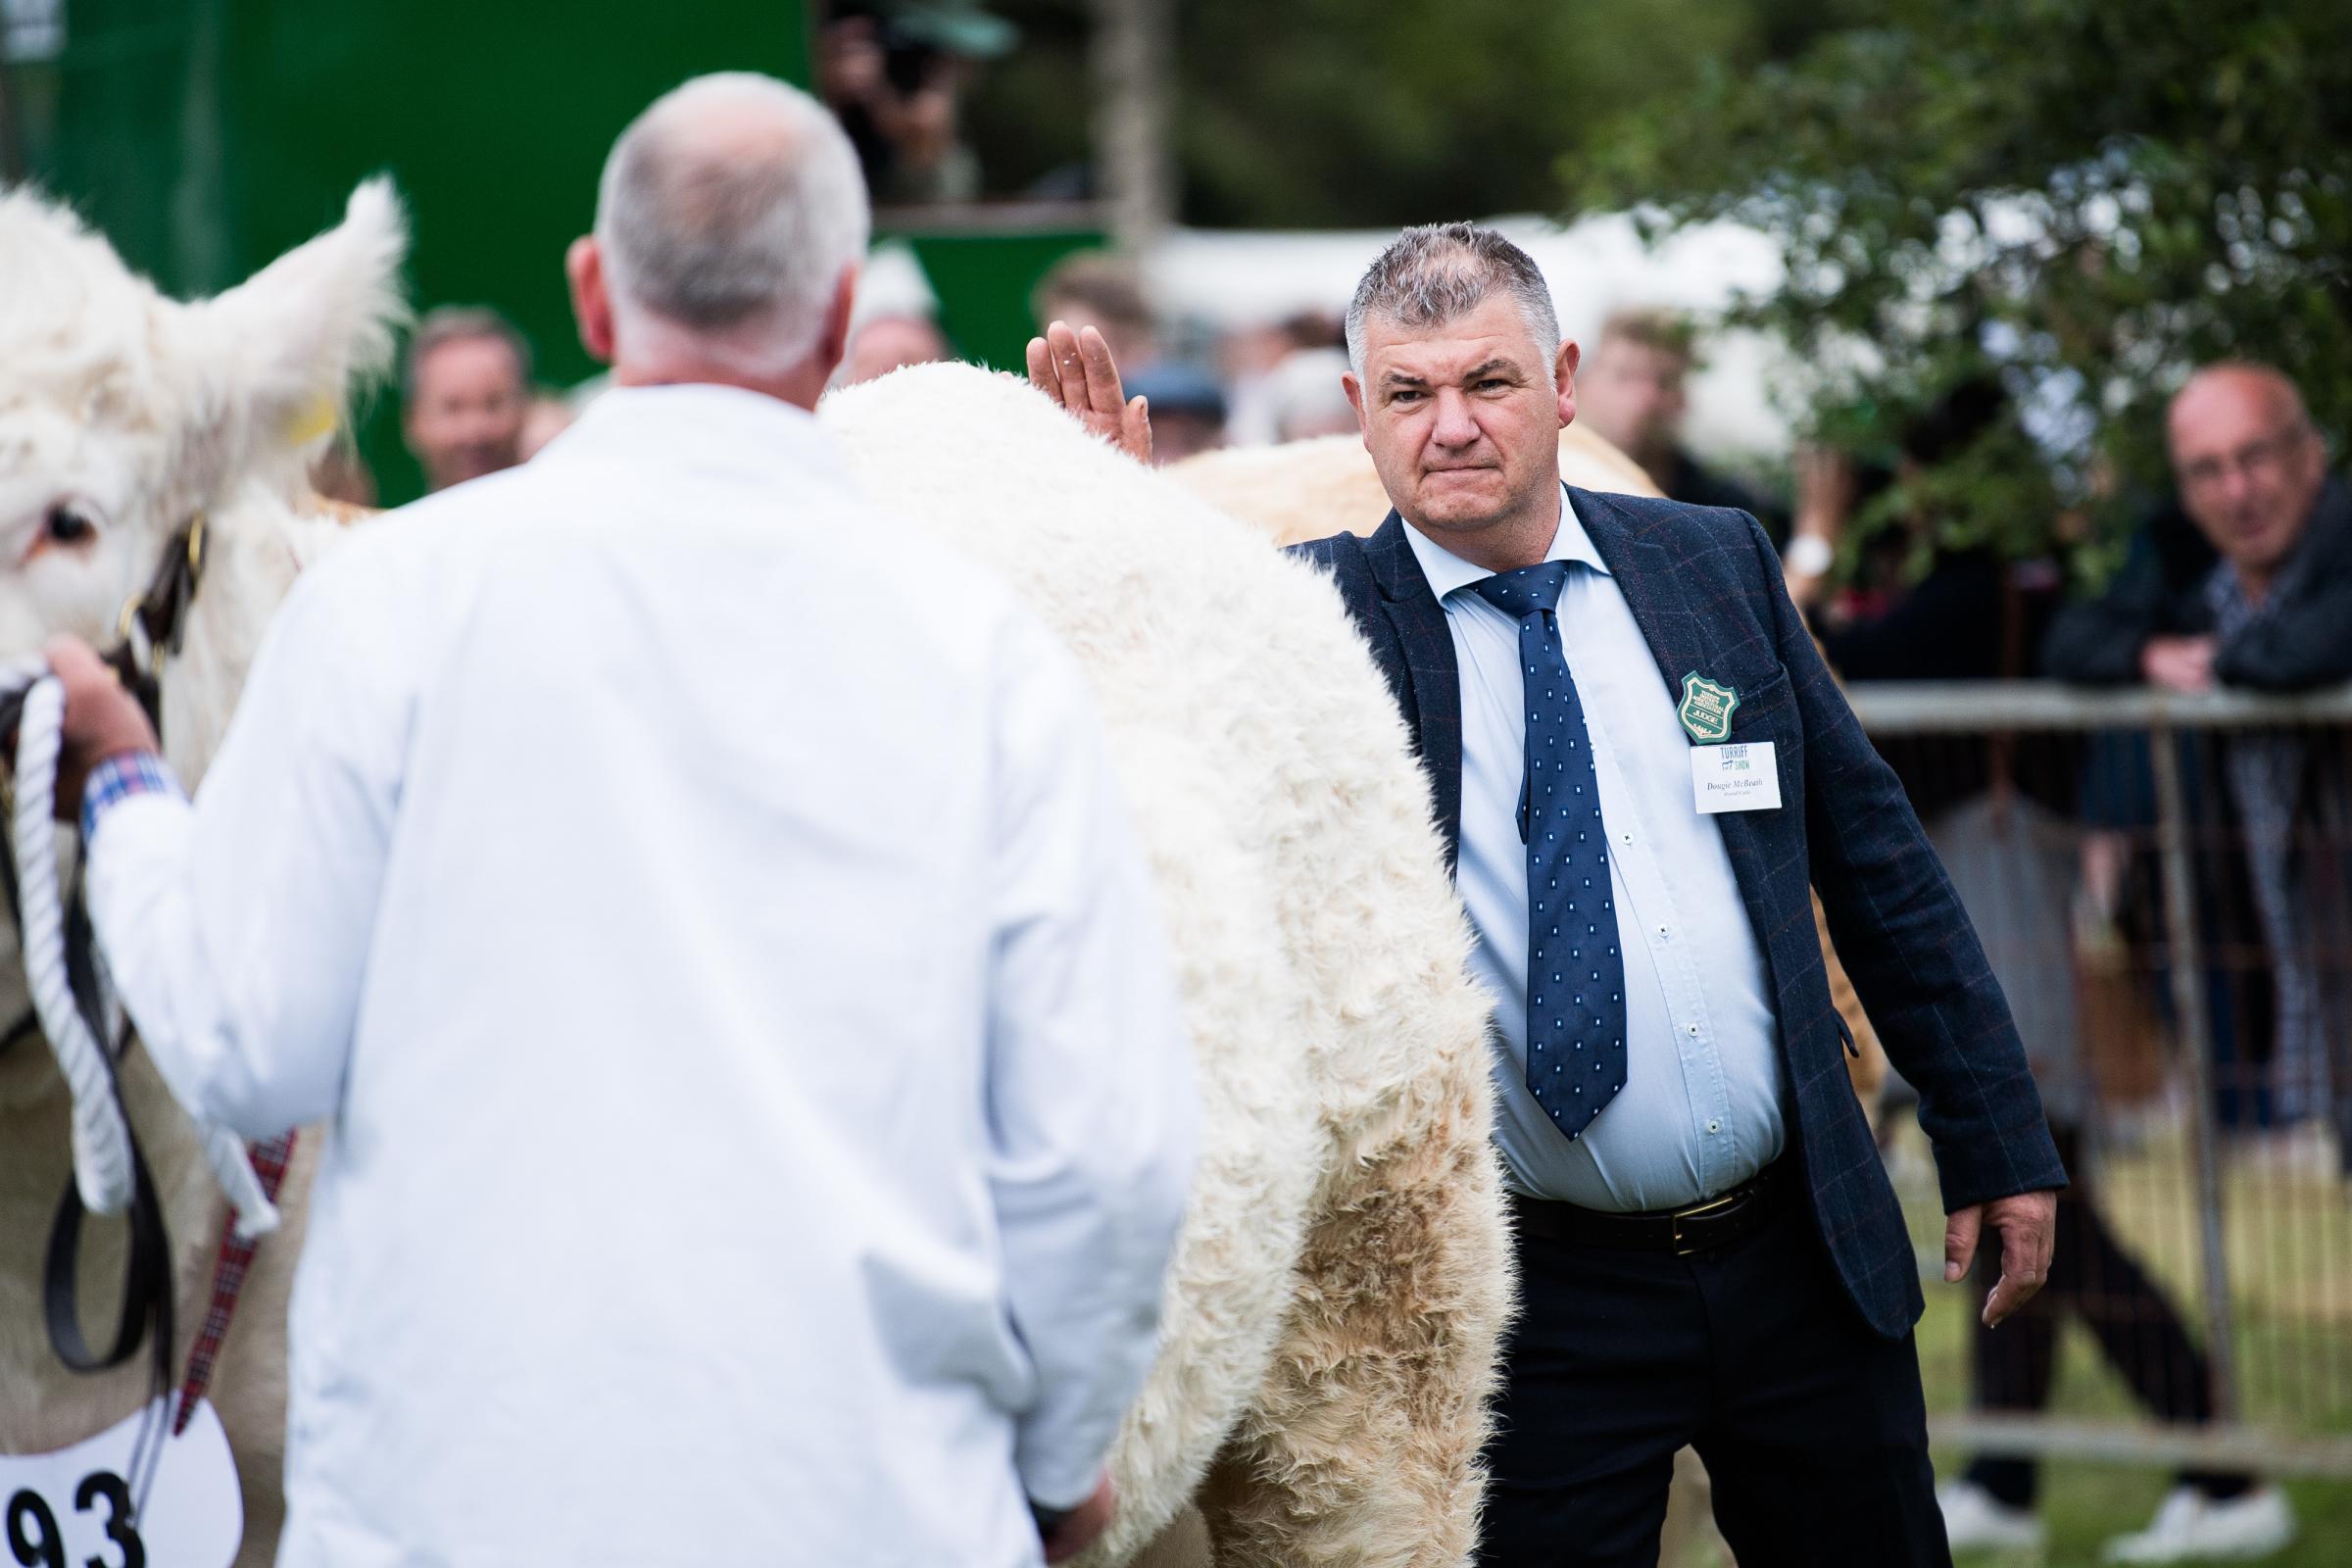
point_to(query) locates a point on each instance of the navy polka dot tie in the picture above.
(1575, 977)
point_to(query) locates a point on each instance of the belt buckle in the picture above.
(1684, 1246)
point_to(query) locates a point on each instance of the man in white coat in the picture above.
(759, 1117)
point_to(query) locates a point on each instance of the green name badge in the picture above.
(1706, 709)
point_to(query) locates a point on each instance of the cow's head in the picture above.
(124, 415)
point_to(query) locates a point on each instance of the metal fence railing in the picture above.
(2164, 886)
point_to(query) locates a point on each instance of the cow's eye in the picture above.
(65, 525)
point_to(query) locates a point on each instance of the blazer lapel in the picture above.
(1433, 678)
(1645, 569)
(1652, 582)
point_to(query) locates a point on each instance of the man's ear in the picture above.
(1355, 400)
(591, 297)
(833, 342)
(1565, 372)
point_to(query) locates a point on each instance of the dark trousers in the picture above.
(2136, 1329)
(1812, 1426)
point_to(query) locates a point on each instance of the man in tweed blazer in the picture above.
(1709, 1251)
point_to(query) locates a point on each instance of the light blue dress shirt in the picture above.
(1701, 1111)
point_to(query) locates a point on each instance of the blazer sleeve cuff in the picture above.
(2022, 1159)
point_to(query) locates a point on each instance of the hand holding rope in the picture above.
(102, 1139)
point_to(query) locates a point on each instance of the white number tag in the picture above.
(1736, 778)
(74, 1507)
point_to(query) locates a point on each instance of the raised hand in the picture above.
(1075, 371)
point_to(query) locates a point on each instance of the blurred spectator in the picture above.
(465, 390)
(1997, 812)
(1104, 292)
(894, 320)
(2271, 611)
(895, 72)
(1247, 358)
(1305, 395)
(1630, 391)
(888, 343)
(2266, 600)
(548, 416)
(1187, 408)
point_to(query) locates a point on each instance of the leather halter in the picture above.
(152, 627)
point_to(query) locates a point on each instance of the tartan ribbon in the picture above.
(271, 1157)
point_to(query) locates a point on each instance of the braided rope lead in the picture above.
(102, 1164)
(101, 1137)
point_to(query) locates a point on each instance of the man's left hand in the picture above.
(2025, 1223)
(1084, 1525)
(102, 719)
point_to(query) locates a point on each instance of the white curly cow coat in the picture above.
(1333, 1313)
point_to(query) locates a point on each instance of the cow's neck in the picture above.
(256, 547)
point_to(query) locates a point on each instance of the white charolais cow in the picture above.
(125, 418)
(1343, 1274)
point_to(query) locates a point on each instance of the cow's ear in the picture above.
(282, 353)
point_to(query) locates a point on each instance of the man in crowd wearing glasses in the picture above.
(2258, 595)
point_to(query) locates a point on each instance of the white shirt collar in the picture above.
(706, 425)
(1446, 571)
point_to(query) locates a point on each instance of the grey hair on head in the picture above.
(729, 210)
(1437, 272)
(457, 324)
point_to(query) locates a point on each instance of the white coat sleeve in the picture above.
(1091, 1102)
(236, 928)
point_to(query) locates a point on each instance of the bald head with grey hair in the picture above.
(728, 214)
(1434, 273)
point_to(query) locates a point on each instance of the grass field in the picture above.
(2289, 1249)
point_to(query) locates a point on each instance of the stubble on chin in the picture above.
(1460, 503)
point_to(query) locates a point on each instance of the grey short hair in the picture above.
(457, 324)
(1439, 272)
(741, 237)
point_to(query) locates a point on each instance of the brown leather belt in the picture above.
(1699, 1228)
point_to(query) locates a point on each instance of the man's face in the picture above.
(2248, 463)
(464, 419)
(1463, 420)
(1633, 395)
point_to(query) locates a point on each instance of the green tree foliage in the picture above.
(1311, 113)
(2079, 198)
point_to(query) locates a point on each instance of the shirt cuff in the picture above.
(119, 778)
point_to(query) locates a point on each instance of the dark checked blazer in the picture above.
(1705, 588)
